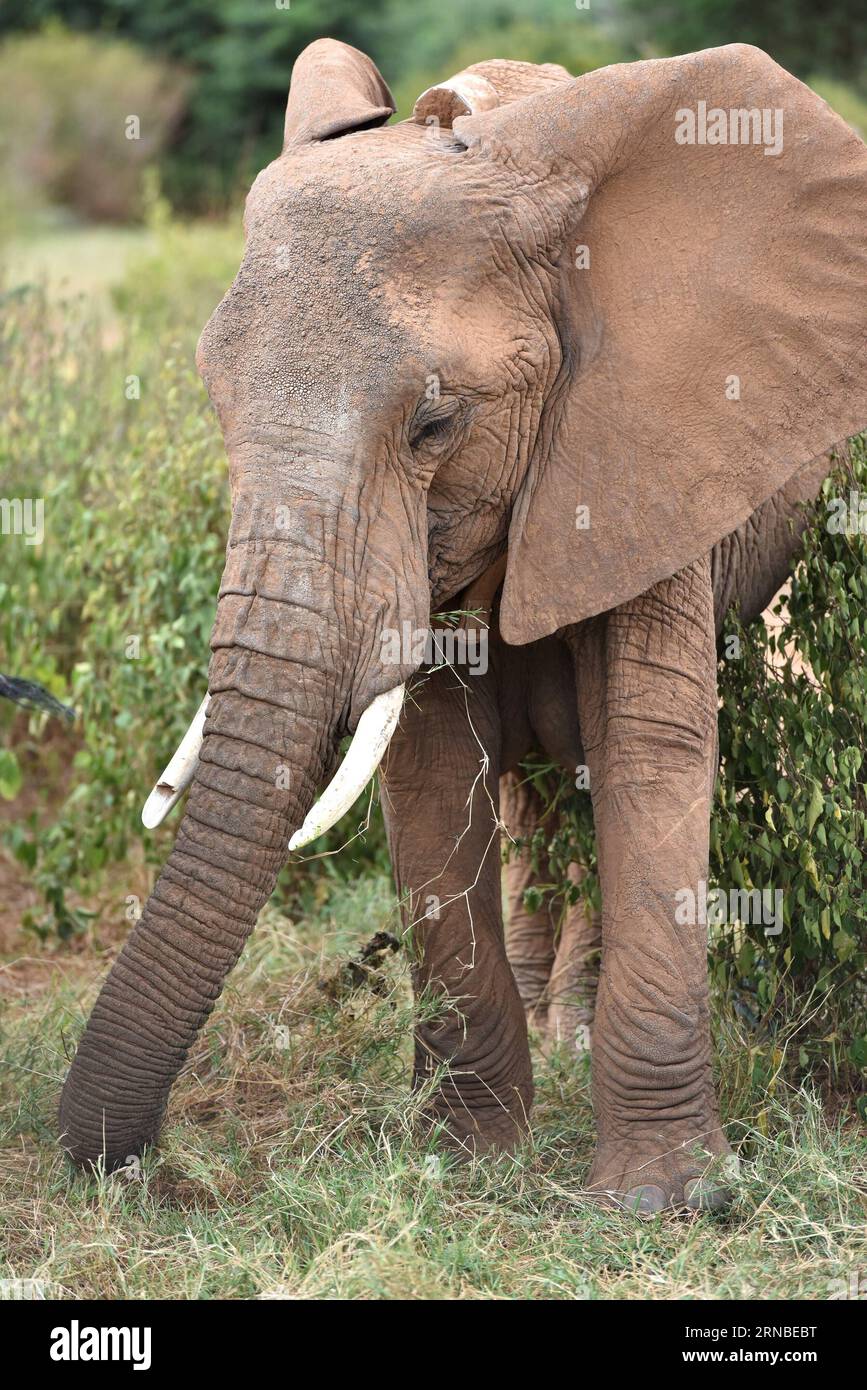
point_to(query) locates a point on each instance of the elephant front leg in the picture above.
(647, 699)
(440, 798)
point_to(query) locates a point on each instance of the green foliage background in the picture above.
(805, 38)
(135, 526)
(64, 103)
(239, 55)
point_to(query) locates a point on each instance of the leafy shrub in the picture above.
(65, 103)
(791, 803)
(110, 425)
(803, 37)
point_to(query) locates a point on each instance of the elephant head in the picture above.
(446, 336)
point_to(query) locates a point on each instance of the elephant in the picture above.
(546, 350)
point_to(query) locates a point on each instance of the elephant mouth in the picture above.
(363, 756)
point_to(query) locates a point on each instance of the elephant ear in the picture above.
(712, 314)
(334, 90)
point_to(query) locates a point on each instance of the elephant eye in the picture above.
(433, 423)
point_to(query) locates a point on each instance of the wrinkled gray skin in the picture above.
(374, 260)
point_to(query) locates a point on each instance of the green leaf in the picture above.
(842, 942)
(532, 899)
(11, 778)
(857, 1051)
(815, 808)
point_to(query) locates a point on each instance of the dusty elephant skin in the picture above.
(528, 332)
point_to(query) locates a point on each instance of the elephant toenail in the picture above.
(702, 1195)
(645, 1201)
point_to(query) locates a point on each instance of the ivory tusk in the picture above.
(363, 756)
(466, 94)
(179, 773)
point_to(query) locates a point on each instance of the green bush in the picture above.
(804, 37)
(239, 59)
(109, 424)
(791, 803)
(68, 103)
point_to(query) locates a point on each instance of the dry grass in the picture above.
(289, 1166)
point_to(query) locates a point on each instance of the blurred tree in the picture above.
(240, 55)
(425, 33)
(82, 118)
(830, 38)
(575, 42)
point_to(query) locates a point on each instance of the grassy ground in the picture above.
(288, 1166)
(77, 260)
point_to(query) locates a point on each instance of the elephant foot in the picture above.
(470, 1118)
(489, 1136)
(646, 1178)
(478, 1106)
(468, 1136)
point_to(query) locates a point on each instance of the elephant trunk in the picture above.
(280, 680)
(247, 797)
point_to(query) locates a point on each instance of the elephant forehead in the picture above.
(368, 267)
(309, 343)
(382, 206)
